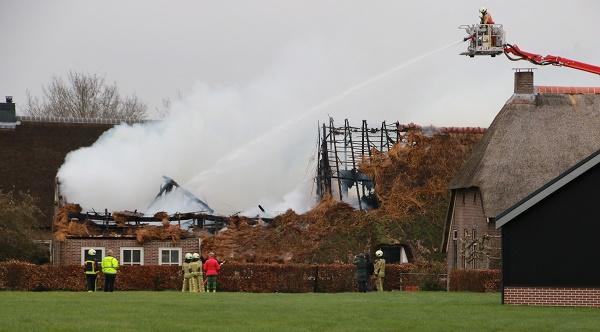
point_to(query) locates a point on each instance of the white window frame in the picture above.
(85, 249)
(141, 249)
(160, 250)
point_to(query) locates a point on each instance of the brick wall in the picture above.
(524, 82)
(32, 153)
(467, 216)
(545, 296)
(69, 251)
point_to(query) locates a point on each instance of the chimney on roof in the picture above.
(524, 80)
(8, 117)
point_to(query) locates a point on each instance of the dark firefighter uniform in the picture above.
(91, 273)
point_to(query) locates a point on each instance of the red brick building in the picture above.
(538, 134)
(33, 148)
(127, 250)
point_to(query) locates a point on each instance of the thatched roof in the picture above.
(531, 141)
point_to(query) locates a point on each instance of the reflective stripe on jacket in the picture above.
(379, 268)
(90, 267)
(110, 265)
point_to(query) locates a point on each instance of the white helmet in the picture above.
(91, 252)
(379, 253)
(196, 255)
(483, 10)
(188, 255)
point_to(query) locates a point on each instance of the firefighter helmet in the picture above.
(188, 256)
(91, 252)
(379, 253)
(196, 255)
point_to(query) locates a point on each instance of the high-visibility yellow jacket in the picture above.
(196, 268)
(110, 265)
(185, 267)
(379, 267)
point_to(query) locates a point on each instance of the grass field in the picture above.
(172, 311)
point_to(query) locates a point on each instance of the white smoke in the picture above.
(234, 147)
(123, 169)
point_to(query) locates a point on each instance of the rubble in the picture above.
(411, 185)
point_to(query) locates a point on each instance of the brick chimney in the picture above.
(8, 117)
(524, 80)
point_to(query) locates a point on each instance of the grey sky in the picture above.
(157, 48)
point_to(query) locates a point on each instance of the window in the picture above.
(455, 254)
(169, 256)
(99, 253)
(455, 234)
(132, 256)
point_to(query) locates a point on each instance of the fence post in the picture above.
(316, 283)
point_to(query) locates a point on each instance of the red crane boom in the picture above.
(548, 59)
(490, 40)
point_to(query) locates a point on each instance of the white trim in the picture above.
(141, 249)
(160, 250)
(84, 249)
(524, 206)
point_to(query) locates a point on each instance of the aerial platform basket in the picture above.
(484, 39)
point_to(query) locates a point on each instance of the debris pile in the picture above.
(164, 232)
(411, 185)
(64, 226)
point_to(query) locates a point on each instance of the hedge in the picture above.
(242, 277)
(475, 280)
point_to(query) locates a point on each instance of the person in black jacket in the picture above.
(90, 268)
(361, 272)
(370, 271)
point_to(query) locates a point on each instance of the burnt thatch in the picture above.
(532, 140)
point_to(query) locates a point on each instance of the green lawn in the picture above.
(173, 312)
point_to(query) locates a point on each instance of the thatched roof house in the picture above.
(538, 134)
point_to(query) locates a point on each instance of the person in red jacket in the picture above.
(211, 269)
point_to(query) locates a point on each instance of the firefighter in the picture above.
(485, 17)
(90, 267)
(185, 267)
(110, 265)
(379, 272)
(196, 274)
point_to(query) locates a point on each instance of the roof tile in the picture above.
(567, 89)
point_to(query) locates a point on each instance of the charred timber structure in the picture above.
(209, 222)
(341, 149)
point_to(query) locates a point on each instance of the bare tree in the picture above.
(84, 96)
(165, 108)
(480, 252)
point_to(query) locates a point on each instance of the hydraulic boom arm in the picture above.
(548, 59)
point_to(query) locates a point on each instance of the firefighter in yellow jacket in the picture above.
(110, 265)
(185, 267)
(196, 274)
(379, 272)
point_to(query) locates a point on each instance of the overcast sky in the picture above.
(159, 49)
